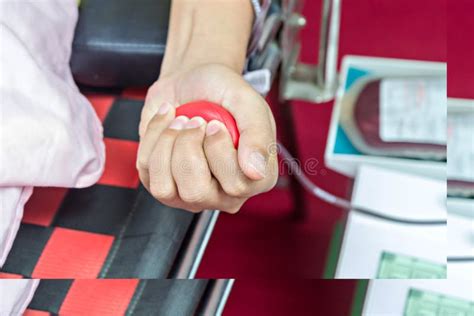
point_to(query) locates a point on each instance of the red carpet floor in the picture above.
(262, 241)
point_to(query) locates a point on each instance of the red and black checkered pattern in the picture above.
(113, 229)
(119, 297)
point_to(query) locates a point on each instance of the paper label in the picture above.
(260, 80)
(461, 146)
(413, 110)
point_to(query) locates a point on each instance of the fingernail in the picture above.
(195, 122)
(258, 163)
(213, 127)
(178, 123)
(164, 108)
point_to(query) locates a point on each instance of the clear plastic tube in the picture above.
(340, 202)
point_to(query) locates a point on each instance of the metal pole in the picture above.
(328, 46)
(313, 83)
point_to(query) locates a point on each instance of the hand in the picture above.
(186, 163)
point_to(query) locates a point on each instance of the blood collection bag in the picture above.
(399, 117)
(460, 166)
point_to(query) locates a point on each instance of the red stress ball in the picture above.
(211, 111)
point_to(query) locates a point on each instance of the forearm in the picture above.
(208, 31)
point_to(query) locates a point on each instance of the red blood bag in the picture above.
(460, 166)
(399, 117)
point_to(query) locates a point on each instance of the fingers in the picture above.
(256, 154)
(162, 185)
(193, 167)
(155, 127)
(189, 166)
(222, 159)
(196, 187)
(178, 173)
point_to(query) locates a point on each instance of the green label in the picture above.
(394, 266)
(421, 303)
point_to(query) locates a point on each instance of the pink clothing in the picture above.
(49, 132)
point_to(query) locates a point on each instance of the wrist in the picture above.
(208, 32)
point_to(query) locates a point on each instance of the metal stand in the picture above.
(300, 81)
(313, 83)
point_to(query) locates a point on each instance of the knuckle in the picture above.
(193, 196)
(236, 189)
(234, 209)
(144, 180)
(141, 127)
(142, 163)
(151, 89)
(162, 193)
(157, 166)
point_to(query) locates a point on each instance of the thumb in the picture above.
(253, 158)
(257, 135)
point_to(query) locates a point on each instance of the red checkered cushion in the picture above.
(112, 229)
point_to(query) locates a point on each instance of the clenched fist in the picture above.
(190, 164)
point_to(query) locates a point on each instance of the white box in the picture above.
(404, 196)
(340, 155)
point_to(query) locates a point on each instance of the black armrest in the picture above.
(119, 43)
(150, 297)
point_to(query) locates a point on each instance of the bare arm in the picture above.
(208, 31)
